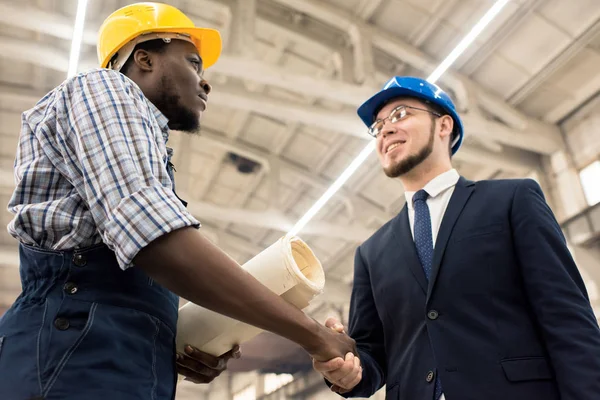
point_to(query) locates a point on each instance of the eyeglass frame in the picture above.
(369, 131)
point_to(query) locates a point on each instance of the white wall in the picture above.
(563, 187)
(582, 133)
(582, 147)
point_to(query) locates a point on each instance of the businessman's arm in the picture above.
(557, 294)
(366, 329)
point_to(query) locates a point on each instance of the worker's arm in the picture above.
(191, 266)
(114, 154)
(557, 294)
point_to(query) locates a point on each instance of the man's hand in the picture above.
(330, 344)
(200, 367)
(345, 373)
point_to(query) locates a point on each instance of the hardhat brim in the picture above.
(367, 110)
(207, 41)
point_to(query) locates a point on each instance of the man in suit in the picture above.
(470, 292)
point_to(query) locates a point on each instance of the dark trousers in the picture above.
(82, 328)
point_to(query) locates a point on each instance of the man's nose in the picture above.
(206, 86)
(387, 129)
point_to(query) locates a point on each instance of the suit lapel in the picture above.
(407, 249)
(462, 192)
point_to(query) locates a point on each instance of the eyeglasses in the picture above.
(397, 114)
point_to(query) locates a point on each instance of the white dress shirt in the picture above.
(440, 191)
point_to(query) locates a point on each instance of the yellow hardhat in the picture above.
(140, 22)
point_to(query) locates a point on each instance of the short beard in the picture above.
(169, 103)
(407, 165)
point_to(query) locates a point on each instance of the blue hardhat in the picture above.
(408, 86)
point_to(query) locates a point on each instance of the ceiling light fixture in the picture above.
(77, 37)
(362, 156)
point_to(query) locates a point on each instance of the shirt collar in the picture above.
(162, 121)
(436, 186)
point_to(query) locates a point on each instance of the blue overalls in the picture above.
(84, 329)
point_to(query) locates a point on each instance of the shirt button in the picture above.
(70, 288)
(432, 315)
(79, 260)
(429, 377)
(62, 324)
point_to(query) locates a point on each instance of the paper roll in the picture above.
(288, 267)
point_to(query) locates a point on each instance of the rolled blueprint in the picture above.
(288, 267)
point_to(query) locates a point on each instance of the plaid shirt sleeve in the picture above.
(113, 152)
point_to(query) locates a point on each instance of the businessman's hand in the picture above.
(200, 367)
(344, 373)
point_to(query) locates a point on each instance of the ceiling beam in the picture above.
(364, 62)
(263, 73)
(579, 97)
(243, 32)
(517, 18)
(52, 24)
(407, 53)
(565, 55)
(60, 26)
(265, 158)
(515, 162)
(355, 206)
(276, 220)
(345, 123)
(268, 74)
(366, 8)
(534, 138)
(431, 24)
(47, 56)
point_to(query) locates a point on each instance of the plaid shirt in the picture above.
(91, 167)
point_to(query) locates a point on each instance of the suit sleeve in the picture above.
(557, 294)
(366, 329)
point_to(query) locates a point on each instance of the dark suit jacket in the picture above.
(505, 315)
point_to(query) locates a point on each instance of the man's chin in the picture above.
(391, 171)
(193, 130)
(191, 124)
(392, 166)
(187, 128)
(400, 167)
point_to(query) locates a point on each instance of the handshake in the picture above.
(343, 373)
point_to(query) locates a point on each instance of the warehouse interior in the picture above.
(281, 126)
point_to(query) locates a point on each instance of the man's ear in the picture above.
(446, 126)
(143, 60)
